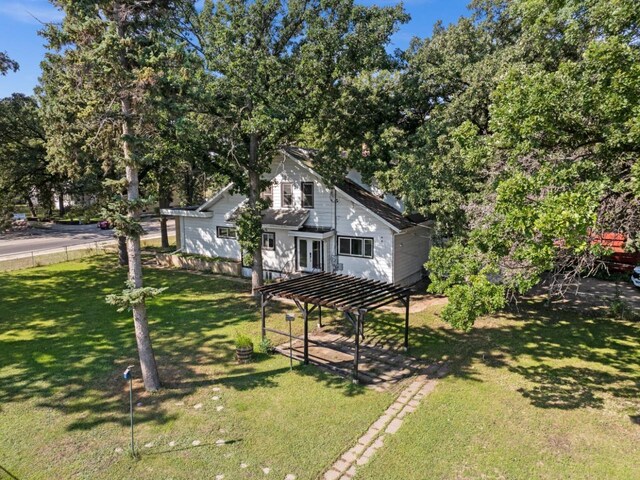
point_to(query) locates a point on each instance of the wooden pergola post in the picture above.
(319, 316)
(406, 323)
(263, 305)
(305, 316)
(356, 356)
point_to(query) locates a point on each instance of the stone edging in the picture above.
(388, 424)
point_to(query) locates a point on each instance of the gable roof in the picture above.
(209, 203)
(375, 204)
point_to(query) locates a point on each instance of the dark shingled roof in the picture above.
(284, 217)
(375, 204)
(358, 193)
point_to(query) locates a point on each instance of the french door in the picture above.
(310, 255)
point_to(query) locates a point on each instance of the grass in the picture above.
(532, 394)
(64, 405)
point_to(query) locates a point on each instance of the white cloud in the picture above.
(30, 11)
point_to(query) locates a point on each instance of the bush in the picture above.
(265, 346)
(619, 309)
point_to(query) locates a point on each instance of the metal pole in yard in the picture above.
(128, 376)
(66, 251)
(33, 260)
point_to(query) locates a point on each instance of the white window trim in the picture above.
(273, 236)
(226, 237)
(340, 237)
(293, 200)
(313, 194)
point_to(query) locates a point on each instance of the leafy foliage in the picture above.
(521, 142)
(271, 66)
(132, 296)
(243, 341)
(7, 64)
(24, 171)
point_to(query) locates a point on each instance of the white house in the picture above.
(350, 228)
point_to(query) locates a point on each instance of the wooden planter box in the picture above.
(223, 267)
(243, 355)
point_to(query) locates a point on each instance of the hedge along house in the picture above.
(350, 228)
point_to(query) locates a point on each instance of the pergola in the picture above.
(351, 295)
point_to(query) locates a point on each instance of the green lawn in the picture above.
(64, 406)
(531, 394)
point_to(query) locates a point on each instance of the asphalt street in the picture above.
(52, 236)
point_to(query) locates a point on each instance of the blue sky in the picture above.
(20, 21)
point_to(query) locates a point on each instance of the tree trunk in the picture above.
(164, 201)
(123, 257)
(32, 207)
(257, 279)
(148, 365)
(61, 204)
(188, 186)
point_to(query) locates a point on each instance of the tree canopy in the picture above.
(520, 138)
(112, 66)
(272, 65)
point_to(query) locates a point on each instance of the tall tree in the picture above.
(107, 60)
(7, 64)
(529, 150)
(272, 65)
(24, 172)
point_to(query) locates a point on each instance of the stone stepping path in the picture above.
(387, 424)
(264, 470)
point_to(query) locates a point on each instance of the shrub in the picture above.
(621, 310)
(265, 345)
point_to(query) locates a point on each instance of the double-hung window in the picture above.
(307, 194)
(226, 232)
(268, 241)
(286, 190)
(268, 195)
(355, 247)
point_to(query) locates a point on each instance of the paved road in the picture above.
(60, 236)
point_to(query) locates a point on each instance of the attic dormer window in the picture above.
(287, 194)
(307, 194)
(268, 195)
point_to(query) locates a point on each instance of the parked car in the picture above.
(635, 276)
(104, 225)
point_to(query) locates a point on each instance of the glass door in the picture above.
(309, 255)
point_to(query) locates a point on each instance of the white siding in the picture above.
(355, 221)
(284, 169)
(200, 233)
(396, 257)
(411, 251)
(282, 258)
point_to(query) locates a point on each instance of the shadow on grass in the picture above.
(64, 347)
(604, 353)
(241, 379)
(6, 472)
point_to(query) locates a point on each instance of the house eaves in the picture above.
(376, 206)
(213, 200)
